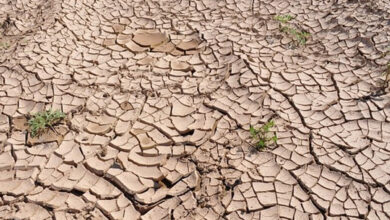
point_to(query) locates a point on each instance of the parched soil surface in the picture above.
(160, 95)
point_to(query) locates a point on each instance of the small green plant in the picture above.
(263, 137)
(283, 18)
(41, 121)
(4, 45)
(386, 73)
(300, 36)
(386, 52)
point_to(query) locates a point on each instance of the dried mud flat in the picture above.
(159, 97)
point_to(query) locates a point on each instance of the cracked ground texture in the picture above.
(160, 95)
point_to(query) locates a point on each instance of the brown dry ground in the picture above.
(159, 97)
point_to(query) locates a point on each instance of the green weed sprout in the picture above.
(300, 36)
(41, 121)
(262, 136)
(283, 18)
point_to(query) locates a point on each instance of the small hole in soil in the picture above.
(77, 192)
(166, 182)
(115, 165)
(190, 132)
(229, 186)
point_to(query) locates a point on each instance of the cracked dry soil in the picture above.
(159, 97)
